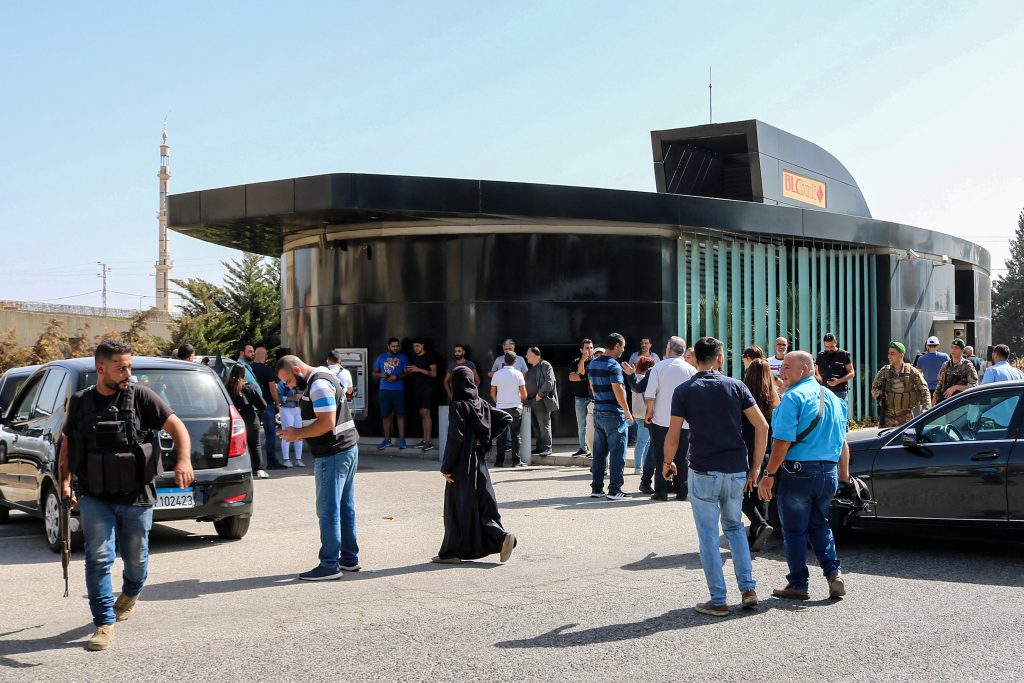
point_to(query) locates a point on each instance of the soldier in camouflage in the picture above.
(957, 374)
(901, 388)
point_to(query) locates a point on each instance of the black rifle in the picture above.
(882, 407)
(64, 527)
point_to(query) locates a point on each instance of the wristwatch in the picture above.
(771, 475)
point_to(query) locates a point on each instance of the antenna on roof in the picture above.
(710, 117)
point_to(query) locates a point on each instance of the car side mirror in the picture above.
(909, 438)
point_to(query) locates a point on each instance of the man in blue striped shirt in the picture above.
(611, 419)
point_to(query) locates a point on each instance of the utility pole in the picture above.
(103, 275)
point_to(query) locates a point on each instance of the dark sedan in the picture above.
(957, 469)
(32, 429)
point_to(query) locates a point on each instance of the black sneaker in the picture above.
(660, 496)
(321, 573)
(597, 494)
(646, 488)
(621, 495)
(581, 453)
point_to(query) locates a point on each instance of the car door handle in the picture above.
(985, 456)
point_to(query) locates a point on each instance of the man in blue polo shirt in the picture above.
(611, 419)
(714, 406)
(809, 430)
(1001, 371)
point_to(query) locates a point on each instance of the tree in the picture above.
(52, 344)
(12, 355)
(138, 337)
(246, 308)
(1008, 295)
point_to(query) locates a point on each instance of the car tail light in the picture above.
(235, 499)
(238, 444)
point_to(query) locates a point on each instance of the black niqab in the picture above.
(479, 412)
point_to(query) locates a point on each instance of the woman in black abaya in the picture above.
(472, 525)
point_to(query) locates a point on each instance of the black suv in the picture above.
(32, 428)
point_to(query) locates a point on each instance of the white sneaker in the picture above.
(262, 474)
(287, 464)
(299, 463)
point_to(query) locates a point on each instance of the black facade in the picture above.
(366, 257)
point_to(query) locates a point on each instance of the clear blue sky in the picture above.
(923, 102)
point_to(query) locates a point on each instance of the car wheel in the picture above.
(51, 519)
(232, 528)
(5, 514)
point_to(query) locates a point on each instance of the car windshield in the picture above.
(189, 393)
(11, 387)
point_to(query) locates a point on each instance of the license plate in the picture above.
(169, 499)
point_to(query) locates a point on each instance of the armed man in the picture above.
(110, 448)
(900, 388)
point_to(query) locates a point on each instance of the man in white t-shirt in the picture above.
(333, 364)
(508, 391)
(665, 376)
(775, 362)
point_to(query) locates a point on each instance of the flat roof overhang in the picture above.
(258, 217)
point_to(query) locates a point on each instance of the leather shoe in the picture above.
(791, 593)
(660, 496)
(646, 488)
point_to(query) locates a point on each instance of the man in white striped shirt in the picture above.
(330, 434)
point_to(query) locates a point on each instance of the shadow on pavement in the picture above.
(683, 561)
(26, 646)
(575, 502)
(533, 480)
(188, 589)
(672, 620)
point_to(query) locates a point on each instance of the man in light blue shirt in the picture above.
(1001, 371)
(809, 428)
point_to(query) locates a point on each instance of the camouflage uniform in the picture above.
(903, 391)
(953, 374)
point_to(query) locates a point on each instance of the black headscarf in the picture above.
(477, 412)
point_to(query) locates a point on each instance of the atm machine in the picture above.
(355, 361)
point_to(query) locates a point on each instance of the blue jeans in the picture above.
(643, 444)
(609, 440)
(335, 478)
(269, 416)
(804, 499)
(717, 495)
(582, 404)
(106, 527)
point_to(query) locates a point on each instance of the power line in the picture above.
(73, 296)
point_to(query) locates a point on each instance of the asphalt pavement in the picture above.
(596, 591)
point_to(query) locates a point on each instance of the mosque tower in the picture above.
(164, 265)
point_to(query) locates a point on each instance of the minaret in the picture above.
(164, 265)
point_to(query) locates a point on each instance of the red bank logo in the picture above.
(804, 189)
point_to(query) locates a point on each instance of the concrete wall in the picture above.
(28, 325)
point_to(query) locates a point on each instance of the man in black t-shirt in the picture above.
(117, 514)
(833, 367)
(579, 385)
(423, 370)
(268, 387)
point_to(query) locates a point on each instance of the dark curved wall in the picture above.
(548, 290)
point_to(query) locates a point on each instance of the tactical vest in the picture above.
(900, 394)
(344, 434)
(110, 453)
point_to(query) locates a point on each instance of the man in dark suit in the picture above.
(543, 398)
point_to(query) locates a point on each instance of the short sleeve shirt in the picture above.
(604, 372)
(636, 355)
(499, 363)
(391, 364)
(930, 364)
(322, 394)
(507, 382)
(797, 411)
(420, 381)
(713, 404)
(1001, 372)
(153, 414)
(581, 389)
(465, 364)
(661, 385)
(832, 365)
(775, 364)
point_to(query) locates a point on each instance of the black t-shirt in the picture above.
(152, 413)
(832, 365)
(580, 389)
(265, 376)
(423, 383)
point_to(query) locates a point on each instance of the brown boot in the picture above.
(836, 586)
(791, 593)
(749, 599)
(124, 606)
(101, 638)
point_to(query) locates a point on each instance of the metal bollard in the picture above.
(524, 435)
